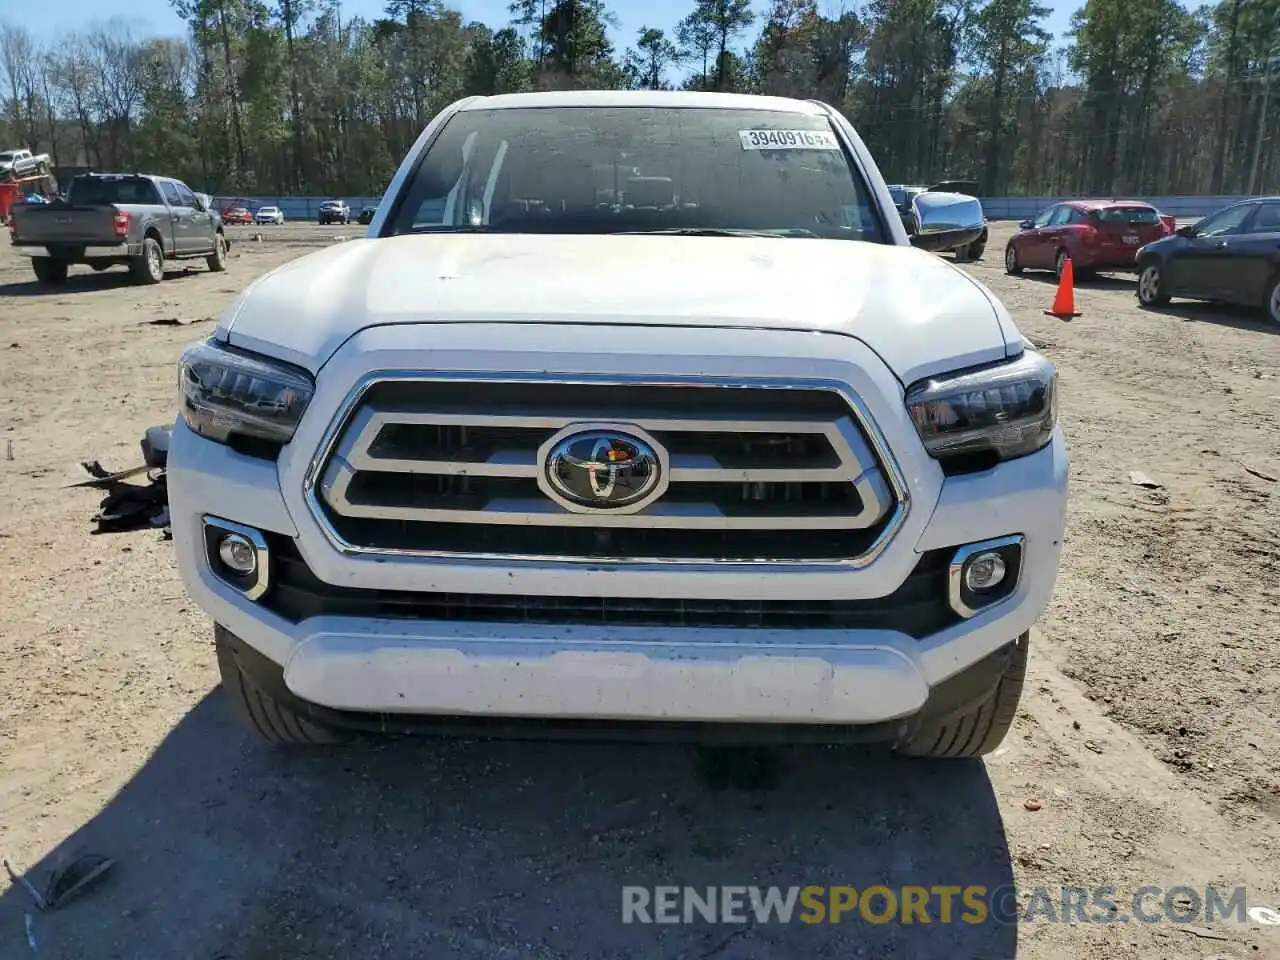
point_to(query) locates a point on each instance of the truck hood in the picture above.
(919, 313)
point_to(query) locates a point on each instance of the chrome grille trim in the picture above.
(345, 450)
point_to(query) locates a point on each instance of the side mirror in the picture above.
(1026, 224)
(1185, 232)
(946, 220)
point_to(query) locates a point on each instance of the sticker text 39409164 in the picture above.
(788, 140)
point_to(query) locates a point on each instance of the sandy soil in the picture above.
(1149, 730)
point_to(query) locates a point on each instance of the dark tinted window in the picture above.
(91, 191)
(171, 194)
(1225, 222)
(1126, 215)
(1061, 216)
(1266, 219)
(615, 169)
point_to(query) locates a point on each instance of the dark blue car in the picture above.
(1232, 256)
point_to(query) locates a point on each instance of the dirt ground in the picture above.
(1150, 728)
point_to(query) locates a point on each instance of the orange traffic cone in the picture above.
(1064, 302)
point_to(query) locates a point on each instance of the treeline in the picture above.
(287, 97)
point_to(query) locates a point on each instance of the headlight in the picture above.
(227, 393)
(993, 414)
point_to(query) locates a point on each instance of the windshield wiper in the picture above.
(721, 232)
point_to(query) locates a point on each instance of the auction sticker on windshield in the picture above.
(788, 140)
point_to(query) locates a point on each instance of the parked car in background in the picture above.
(108, 219)
(904, 196)
(21, 163)
(1097, 235)
(269, 215)
(334, 211)
(1232, 256)
(366, 215)
(236, 214)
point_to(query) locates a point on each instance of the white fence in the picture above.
(996, 208)
(1023, 208)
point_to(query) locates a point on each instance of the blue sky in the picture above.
(157, 16)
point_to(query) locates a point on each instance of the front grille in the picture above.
(917, 608)
(754, 473)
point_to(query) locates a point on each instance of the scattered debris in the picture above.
(31, 932)
(1093, 745)
(69, 881)
(66, 881)
(172, 322)
(8, 450)
(132, 506)
(20, 880)
(1203, 933)
(1261, 476)
(1032, 804)
(1140, 479)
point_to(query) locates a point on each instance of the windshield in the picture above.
(638, 169)
(1127, 215)
(6, 156)
(104, 190)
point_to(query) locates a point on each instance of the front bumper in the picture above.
(708, 672)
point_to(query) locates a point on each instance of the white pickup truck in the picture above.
(21, 163)
(634, 412)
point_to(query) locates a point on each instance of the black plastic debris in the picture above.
(134, 506)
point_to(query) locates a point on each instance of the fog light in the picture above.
(238, 555)
(985, 572)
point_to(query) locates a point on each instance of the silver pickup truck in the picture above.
(111, 219)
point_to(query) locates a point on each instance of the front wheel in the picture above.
(50, 271)
(967, 727)
(1151, 287)
(1060, 264)
(263, 708)
(1011, 264)
(1271, 302)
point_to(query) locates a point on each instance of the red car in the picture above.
(236, 215)
(1095, 234)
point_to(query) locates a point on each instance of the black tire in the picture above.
(1271, 301)
(962, 254)
(217, 261)
(1151, 288)
(1060, 262)
(149, 266)
(1011, 264)
(977, 728)
(268, 717)
(50, 271)
(978, 249)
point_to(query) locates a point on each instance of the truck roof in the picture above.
(643, 98)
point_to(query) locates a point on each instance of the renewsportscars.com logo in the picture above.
(939, 904)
